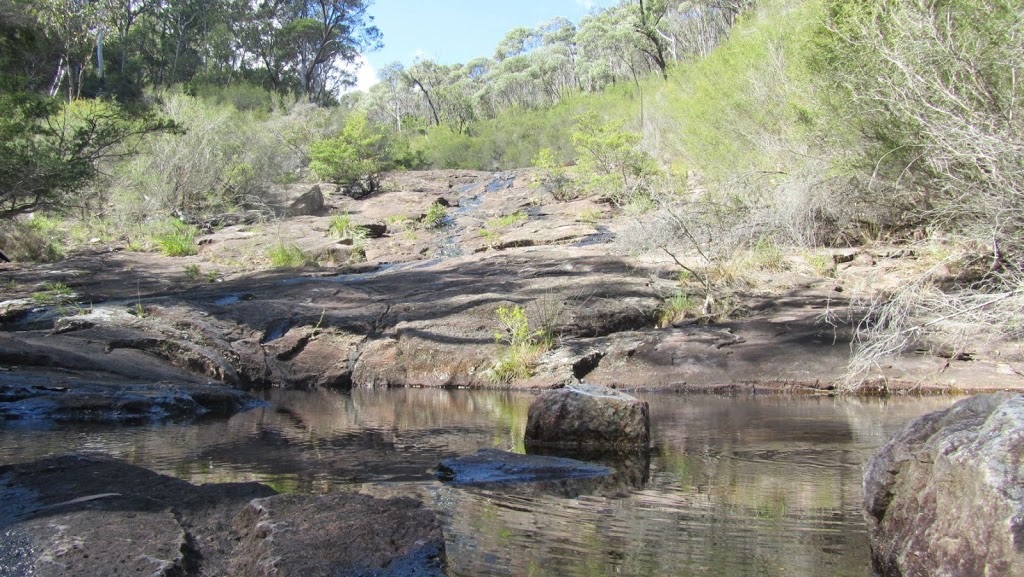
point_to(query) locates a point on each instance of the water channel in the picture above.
(748, 486)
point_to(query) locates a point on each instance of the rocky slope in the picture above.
(415, 305)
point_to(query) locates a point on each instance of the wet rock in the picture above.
(945, 496)
(345, 534)
(588, 416)
(86, 515)
(489, 466)
(76, 401)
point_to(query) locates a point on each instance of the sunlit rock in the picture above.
(588, 416)
(945, 496)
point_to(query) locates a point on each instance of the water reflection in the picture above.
(731, 486)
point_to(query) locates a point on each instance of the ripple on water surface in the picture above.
(733, 486)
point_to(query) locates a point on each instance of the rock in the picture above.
(374, 229)
(945, 496)
(343, 534)
(493, 466)
(296, 201)
(86, 515)
(587, 416)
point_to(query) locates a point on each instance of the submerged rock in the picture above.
(493, 466)
(945, 496)
(87, 515)
(588, 416)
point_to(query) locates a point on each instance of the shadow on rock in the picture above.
(87, 515)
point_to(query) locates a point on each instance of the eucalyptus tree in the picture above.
(72, 26)
(650, 39)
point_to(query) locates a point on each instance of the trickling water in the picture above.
(734, 486)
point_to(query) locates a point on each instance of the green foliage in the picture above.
(436, 216)
(358, 153)
(177, 239)
(766, 255)
(676, 307)
(552, 175)
(53, 293)
(225, 160)
(50, 151)
(506, 221)
(936, 87)
(611, 161)
(341, 225)
(193, 272)
(823, 265)
(516, 362)
(37, 238)
(523, 343)
(284, 255)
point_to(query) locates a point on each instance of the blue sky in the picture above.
(450, 31)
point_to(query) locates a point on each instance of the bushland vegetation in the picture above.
(727, 130)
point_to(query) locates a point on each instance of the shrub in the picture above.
(553, 175)
(611, 161)
(36, 238)
(436, 216)
(524, 345)
(358, 153)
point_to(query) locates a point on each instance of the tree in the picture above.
(651, 40)
(72, 24)
(50, 151)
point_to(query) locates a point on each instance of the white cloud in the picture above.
(366, 74)
(588, 4)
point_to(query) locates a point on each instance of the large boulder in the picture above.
(945, 497)
(296, 200)
(588, 416)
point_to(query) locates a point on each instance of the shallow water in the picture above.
(748, 486)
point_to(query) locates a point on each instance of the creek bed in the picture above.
(735, 486)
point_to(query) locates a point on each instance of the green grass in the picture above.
(506, 221)
(177, 239)
(675, 308)
(287, 256)
(53, 293)
(341, 226)
(523, 346)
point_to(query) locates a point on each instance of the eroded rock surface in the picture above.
(588, 416)
(87, 516)
(945, 497)
(415, 305)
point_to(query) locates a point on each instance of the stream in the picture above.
(735, 486)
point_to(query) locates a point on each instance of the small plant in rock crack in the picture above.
(53, 293)
(436, 216)
(676, 307)
(523, 346)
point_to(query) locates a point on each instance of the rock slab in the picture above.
(84, 515)
(588, 416)
(945, 496)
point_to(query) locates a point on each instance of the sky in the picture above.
(450, 31)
